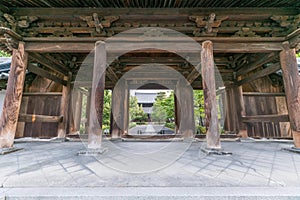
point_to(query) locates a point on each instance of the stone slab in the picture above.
(161, 193)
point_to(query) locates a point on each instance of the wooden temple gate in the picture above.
(249, 43)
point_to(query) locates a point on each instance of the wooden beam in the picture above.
(60, 47)
(92, 40)
(42, 94)
(11, 33)
(47, 63)
(193, 75)
(294, 39)
(13, 97)
(56, 62)
(39, 118)
(264, 72)
(225, 46)
(210, 102)
(291, 80)
(264, 94)
(253, 65)
(112, 75)
(44, 73)
(266, 118)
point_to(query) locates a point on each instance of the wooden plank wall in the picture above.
(266, 105)
(42, 105)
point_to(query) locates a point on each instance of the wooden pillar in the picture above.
(126, 109)
(13, 97)
(77, 97)
(97, 97)
(87, 111)
(291, 82)
(185, 104)
(21, 125)
(209, 89)
(118, 110)
(235, 109)
(63, 127)
(177, 117)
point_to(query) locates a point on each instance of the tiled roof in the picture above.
(145, 97)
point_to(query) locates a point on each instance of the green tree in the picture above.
(4, 54)
(136, 112)
(163, 108)
(106, 109)
(199, 111)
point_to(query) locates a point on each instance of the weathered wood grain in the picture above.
(97, 97)
(210, 102)
(291, 81)
(13, 97)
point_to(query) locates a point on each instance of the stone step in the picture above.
(153, 193)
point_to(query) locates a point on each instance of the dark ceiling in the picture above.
(151, 3)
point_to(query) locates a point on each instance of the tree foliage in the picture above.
(106, 109)
(199, 111)
(163, 108)
(136, 112)
(4, 54)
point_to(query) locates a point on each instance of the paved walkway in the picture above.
(150, 129)
(150, 164)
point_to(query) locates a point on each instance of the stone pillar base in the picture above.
(296, 137)
(91, 152)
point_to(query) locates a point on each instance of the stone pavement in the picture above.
(150, 129)
(160, 165)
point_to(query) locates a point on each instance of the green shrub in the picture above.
(170, 125)
(132, 124)
(200, 129)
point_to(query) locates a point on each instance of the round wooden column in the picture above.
(291, 80)
(210, 101)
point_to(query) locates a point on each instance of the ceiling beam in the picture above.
(40, 59)
(87, 47)
(193, 75)
(55, 61)
(259, 62)
(44, 73)
(294, 39)
(240, 13)
(262, 73)
(111, 75)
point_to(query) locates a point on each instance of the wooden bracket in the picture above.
(290, 23)
(208, 25)
(25, 21)
(99, 23)
(246, 32)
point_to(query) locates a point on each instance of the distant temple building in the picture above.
(146, 100)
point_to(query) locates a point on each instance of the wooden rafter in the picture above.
(44, 73)
(193, 75)
(253, 65)
(262, 73)
(47, 63)
(56, 62)
(111, 75)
